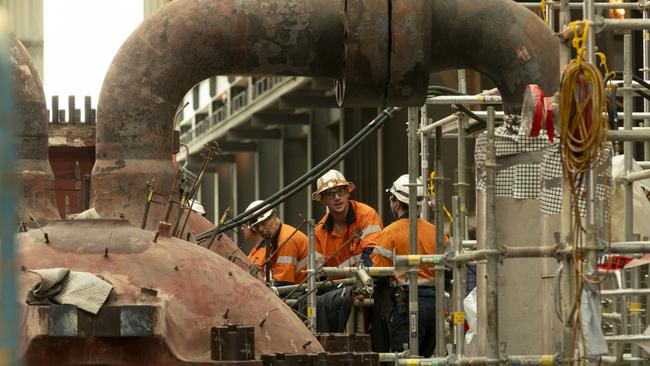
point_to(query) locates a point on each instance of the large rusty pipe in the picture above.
(184, 42)
(500, 39)
(37, 199)
(381, 52)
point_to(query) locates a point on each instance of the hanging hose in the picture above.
(582, 126)
(307, 178)
(583, 131)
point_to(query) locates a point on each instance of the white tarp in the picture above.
(640, 202)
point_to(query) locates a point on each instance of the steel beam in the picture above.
(249, 133)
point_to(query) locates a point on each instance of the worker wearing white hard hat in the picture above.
(285, 248)
(394, 240)
(348, 223)
(257, 254)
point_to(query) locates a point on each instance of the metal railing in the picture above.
(257, 88)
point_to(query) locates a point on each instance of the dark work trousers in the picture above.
(380, 317)
(399, 322)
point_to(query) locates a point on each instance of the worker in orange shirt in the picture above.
(285, 246)
(346, 221)
(394, 240)
(257, 252)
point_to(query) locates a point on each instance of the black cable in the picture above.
(442, 90)
(638, 79)
(307, 178)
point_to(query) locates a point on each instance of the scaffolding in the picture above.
(627, 308)
(493, 253)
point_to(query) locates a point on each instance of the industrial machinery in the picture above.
(174, 302)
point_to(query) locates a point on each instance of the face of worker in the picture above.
(394, 205)
(336, 199)
(250, 235)
(268, 227)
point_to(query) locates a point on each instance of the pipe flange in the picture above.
(365, 73)
(410, 53)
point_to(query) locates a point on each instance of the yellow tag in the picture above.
(310, 311)
(635, 308)
(150, 196)
(459, 317)
(412, 362)
(414, 259)
(547, 360)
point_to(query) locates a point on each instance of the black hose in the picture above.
(307, 178)
(442, 90)
(638, 79)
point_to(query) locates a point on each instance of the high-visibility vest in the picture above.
(394, 240)
(289, 264)
(363, 221)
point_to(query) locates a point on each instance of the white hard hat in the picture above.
(333, 178)
(400, 189)
(197, 207)
(266, 212)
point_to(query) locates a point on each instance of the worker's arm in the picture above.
(382, 255)
(370, 225)
(285, 266)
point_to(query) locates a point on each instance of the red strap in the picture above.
(548, 102)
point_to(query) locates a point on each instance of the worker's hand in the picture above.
(275, 290)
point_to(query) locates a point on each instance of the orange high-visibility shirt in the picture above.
(362, 220)
(394, 240)
(257, 255)
(289, 264)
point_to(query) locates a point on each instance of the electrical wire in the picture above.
(307, 178)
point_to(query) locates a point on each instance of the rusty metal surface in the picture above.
(410, 53)
(232, 343)
(187, 41)
(365, 75)
(31, 130)
(222, 245)
(184, 42)
(345, 342)
(500, 39)
(114, 351)
(193, 288)
(77, 135)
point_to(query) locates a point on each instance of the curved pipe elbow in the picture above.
(381, 51)
(500, 39)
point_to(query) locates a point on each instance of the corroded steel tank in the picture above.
(37, 198)
(189, 288)
(222, 244)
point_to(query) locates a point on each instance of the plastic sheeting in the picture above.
(639, 200)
